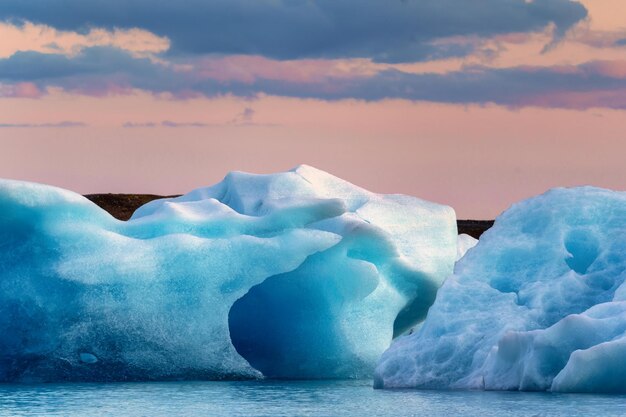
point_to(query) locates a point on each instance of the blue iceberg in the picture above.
(290, 275)
(539, 304)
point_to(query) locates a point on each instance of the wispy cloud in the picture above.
(169, 123)
(164, 123)
(132, 125)
(63, 124)
(244, 118)
(21, 90)
(42, 38)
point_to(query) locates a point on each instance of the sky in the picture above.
(472, 103)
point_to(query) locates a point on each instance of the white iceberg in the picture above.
(538, 304)
(464, 243)
(291, 275)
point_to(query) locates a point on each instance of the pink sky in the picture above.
(478, 158)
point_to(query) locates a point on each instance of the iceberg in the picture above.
(539, 304)
(291, 275)
(464, 243)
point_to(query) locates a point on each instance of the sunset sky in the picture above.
(471, 103)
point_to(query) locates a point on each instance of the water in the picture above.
(271, 398)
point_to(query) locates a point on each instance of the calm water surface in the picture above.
(268, 398)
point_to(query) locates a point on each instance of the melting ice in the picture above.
(291, 275)
(538, 304)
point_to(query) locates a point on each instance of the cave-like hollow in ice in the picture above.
(290, 275)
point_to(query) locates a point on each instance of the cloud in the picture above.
(600, 39)
(164, 123)
(21, 90)
(100, 71)
(42, 38)
(244, 118)
(132, 125)
(383, 30)
(64, 124)
(169, 123)
(94, 71)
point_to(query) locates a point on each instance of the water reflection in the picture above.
(280, 398)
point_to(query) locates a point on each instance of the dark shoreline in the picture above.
(122, 206)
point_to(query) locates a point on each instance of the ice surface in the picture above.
(538, 304)
(296, 275)
(464, 243)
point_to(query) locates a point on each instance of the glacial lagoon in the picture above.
(289, 398)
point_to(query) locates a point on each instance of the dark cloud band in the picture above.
(519, 86)
(383, 30)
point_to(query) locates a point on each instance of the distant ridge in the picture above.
(122, 206)
(474, 228)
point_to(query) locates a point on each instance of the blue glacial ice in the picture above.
(538, 304)
(290, 275)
